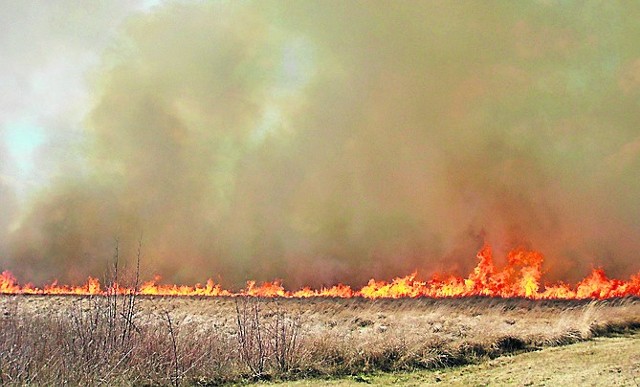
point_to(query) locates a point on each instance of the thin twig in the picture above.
(176, 381)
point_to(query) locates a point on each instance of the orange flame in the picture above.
(520, 278)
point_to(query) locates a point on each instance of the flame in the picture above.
(519, 278)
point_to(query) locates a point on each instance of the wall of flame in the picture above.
(520, 278)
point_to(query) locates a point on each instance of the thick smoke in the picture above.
(328, 141)
(7, 210)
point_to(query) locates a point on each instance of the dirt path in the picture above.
(613, 361)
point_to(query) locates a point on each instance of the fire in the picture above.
(519, 278)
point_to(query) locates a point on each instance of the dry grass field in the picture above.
(127, 340)
(602, 361)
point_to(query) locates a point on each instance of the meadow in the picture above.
(135, 340)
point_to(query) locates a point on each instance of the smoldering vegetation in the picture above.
(125, 340)
(325, 142)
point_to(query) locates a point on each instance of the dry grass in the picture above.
(603, 361)
(178, 341)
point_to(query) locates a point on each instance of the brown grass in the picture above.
(186, 341)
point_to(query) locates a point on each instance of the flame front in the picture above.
(520, 278)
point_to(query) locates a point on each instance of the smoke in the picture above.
(7, 210)
(329, 141)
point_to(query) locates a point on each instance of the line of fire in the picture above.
(520, 278)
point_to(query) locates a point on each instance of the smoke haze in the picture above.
(331, 141)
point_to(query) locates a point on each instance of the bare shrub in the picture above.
(252, 345)
(268, 340)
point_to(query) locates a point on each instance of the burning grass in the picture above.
(83, 340)
(521, 277)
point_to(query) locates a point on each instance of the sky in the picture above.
(317, 142)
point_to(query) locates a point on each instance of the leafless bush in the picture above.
(284, 331)
(267, 340)
(250, 335)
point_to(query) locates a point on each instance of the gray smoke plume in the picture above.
(333, 141)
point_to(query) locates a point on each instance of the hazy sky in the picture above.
(317, 141)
